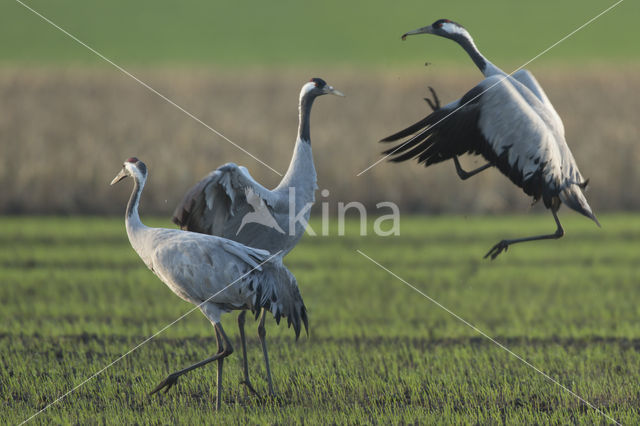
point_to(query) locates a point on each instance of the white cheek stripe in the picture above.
(307, 88)
(453, 28)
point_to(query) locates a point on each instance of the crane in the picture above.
(215, 274)
(510, 122)
(224, 203)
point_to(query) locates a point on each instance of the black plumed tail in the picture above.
(573, 197)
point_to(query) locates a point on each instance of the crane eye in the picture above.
(438, 23)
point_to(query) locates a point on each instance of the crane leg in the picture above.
(435, 104)
(504, 244)
(245, 364)
(464, 175)
(262, 334)
(224, 350)
(220, 361)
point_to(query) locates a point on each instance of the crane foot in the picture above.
(167, 383)
(497, 249)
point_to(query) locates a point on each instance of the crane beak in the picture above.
(331, 91)
(424, 30)
(119, 176)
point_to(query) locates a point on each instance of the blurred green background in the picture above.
(289, 33)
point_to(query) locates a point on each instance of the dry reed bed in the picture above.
(64, 134)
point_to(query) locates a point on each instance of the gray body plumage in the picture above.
(201, 269)
(218, 203)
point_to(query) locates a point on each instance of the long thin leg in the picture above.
(245, 363)
(262, 333)
(504, 244)
(219, 372)
(464, 175)
(224, 350)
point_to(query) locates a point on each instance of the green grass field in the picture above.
(74, 297)
(285, 33)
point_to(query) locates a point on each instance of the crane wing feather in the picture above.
(509, 128)
(217, 203)
(527, 79)
(196, 266)
(201, 268)
(447, 132)
(523, 146)
(277, 291)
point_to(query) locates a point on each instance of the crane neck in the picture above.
(485, 66)
(132, 217)
(301, 173)
(304, 111)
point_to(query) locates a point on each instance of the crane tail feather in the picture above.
(573, 197)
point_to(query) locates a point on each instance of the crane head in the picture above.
(318, 87)
(443, 28)
(131, 167)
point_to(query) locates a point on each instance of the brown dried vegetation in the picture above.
(65, 133)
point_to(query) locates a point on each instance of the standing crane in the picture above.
(510, 122)
(215, 274)
(218, 205)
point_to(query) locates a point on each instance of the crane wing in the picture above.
(493, 119)
(447, 132)
(523, 146)
(197, 266)
(217, 203)
(202, 268)
(277, 291)
(527, 79)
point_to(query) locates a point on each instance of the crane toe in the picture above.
(497, 249)
(167, 383)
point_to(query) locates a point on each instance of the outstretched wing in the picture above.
(217, 203)
(493, 119)
(447, 132)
